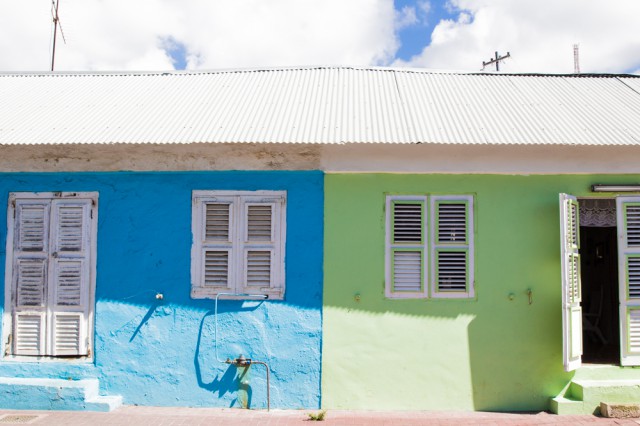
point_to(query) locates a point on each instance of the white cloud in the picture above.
(540, 36)
(126, 35)
(406, 17)
(424, 8)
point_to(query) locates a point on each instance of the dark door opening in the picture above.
(600, 297)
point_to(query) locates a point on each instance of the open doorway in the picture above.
(599, 276)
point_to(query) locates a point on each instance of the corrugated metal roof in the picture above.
(319, 105)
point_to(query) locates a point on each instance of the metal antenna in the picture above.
(496, 61)
(576, 59)
(56, 21)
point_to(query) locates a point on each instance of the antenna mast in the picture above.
(56, 21)
(576, 59)
(496, 61)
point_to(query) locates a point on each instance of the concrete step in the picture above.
(619, 411)
(566, 406)
(613, 391)
(54, 394)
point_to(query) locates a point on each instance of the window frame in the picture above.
(238, 244)
(430, 247)
(89, 298)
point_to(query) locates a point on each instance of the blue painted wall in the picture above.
(162, 353)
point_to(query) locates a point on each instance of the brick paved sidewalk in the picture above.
(164, 416)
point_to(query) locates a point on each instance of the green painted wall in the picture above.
(489, 353)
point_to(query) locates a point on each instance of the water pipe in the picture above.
(240, 361)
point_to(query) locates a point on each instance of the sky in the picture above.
(456, 35)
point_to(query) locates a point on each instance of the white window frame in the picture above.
(88, 297)
(430, 247)
(238, 244)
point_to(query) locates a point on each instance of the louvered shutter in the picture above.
(261, 225)
(571, 288)
(452, 246)
(238, 243)
(628, 210)
(69, 279)
(214, 234)
(405, 246)
(52, 260)
(29, 276)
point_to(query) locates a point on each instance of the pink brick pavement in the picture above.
(164, 416)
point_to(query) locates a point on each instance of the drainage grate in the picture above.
(18, 418)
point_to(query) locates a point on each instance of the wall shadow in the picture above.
(232, 379)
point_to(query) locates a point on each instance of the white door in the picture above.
(571, 291)
(50, 273)
(628, 211)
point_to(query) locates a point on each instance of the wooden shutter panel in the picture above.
(32, 226)
(30, 276)
(258, 267)
(407, 271)
(628, 222)
(52, 260)
(31, 279)
(218, 221)
(571, 289)
(451, 271)
(259, 245)
(70, 276)
(238, 243)
(216, 268)
(407, 222)
(69, 335)
(261, 224)
(452, 246)
(29, 333)
(405, 246)
(212, 251)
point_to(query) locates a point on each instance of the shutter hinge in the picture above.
(91, 213)
(7, 348)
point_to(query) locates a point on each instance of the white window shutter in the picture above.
(452, 246)
(29, 333)
(69, 334)
(261, 225)
(405, 246)
(238, 243)
(30, 275)
(69, 279)
(213, 258)
(628, 210)
(571, 288)
(52, 258)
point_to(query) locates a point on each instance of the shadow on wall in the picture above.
(234, 379)
(491, 352)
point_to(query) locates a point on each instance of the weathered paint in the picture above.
(493, 352)
(162, 352)
(154, 157)
(350, 157)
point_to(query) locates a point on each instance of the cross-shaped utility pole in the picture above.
(496, 61)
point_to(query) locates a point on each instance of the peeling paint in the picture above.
(161, 352)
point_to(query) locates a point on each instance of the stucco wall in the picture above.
(487, 353)
(162, 353)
